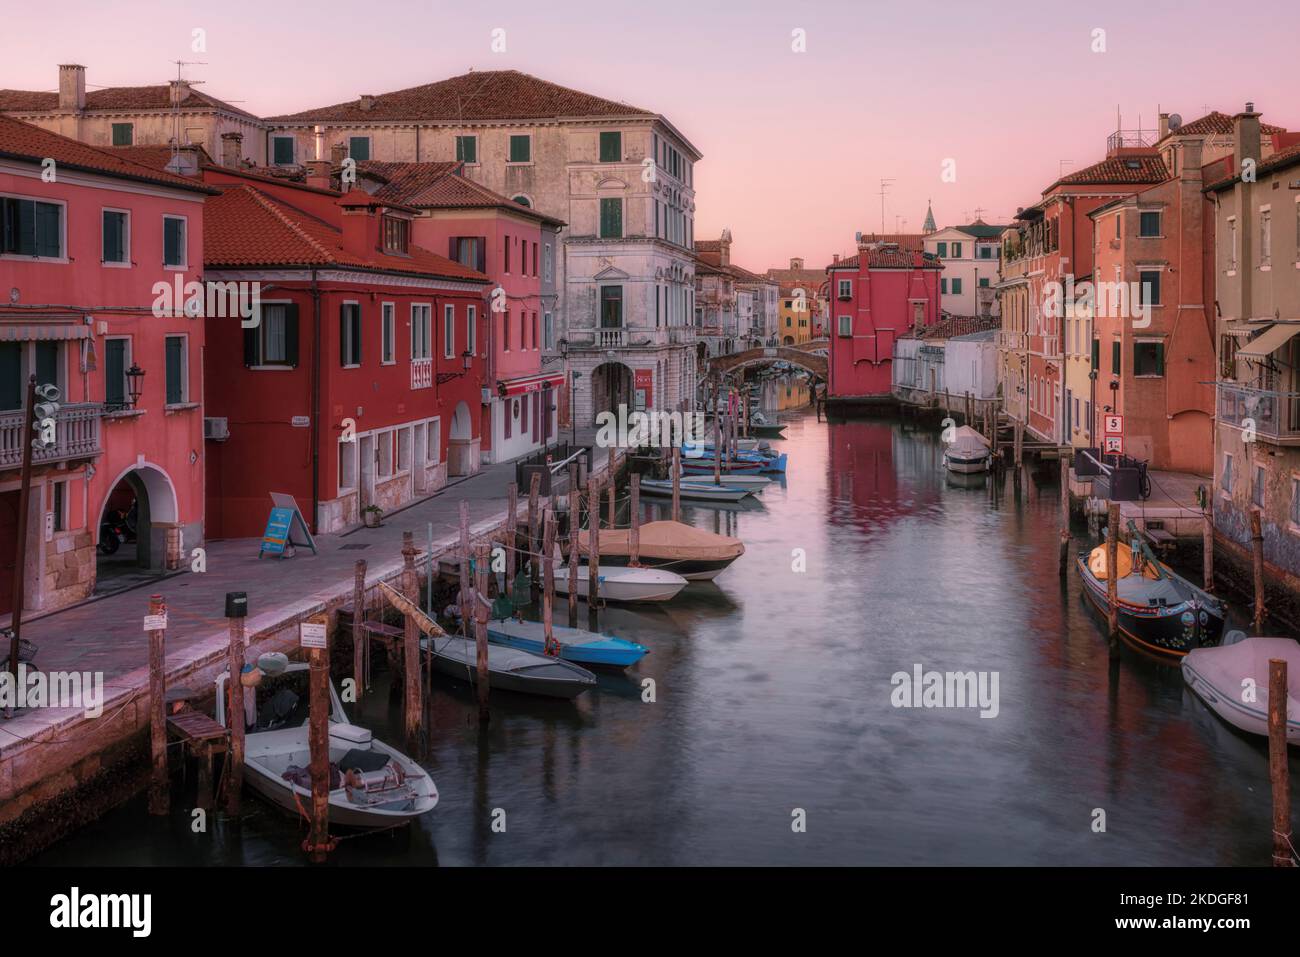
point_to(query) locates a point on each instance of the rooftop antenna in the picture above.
(979, 212)
(884, 187)
(176, 107)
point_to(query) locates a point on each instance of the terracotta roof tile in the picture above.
(245, 227)
(141, 98)
(27, 142)
(1123, 168)
(486, 95)
(1215, 123)
(890, 258)
(442, 186)
(1279, 160)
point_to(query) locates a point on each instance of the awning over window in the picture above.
(533, 383)
(1246, 327)
(1269, 341)
(42, 331)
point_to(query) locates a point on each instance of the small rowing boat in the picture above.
(624, 584)
(697, 490)
(576, 644)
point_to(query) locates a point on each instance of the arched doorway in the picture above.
(131, 535)
(611, 386)
(462, 451)
(788, 341)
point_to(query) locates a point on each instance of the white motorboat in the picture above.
(628, 584)
(371, 784)
(968, 452)
(1233, 680)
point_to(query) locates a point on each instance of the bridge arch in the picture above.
(737, 361)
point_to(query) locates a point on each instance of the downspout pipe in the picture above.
(315, 401)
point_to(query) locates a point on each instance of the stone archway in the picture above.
(463, 447)
(141, 505)
(611, 386)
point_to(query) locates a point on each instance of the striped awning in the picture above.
(1269, 341)
(42, 331)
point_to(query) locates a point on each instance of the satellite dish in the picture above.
(1175, 121)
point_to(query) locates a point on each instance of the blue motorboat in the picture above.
(576, 644)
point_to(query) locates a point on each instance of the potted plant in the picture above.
(371, 515)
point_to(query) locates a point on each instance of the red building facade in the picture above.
(89, 237)
(877, 296)
(360, 385)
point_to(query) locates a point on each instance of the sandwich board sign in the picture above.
(285, 526)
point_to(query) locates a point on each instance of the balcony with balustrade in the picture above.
(1273, 415)
(76, 436)
(421, 373)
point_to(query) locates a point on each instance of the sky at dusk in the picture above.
(794, 144)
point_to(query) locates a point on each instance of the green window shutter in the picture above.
(943, 249)
(956, 286)
(611, 147)
(520, 148)
(173, 242)
(1160, 358)
(283, 150)
(112, 249)
(359, 148)
(611, 218)
(11, 374)
(291, 334)
(115, 372)
(175, 355)
(49, 237)
(467, 149)
(956, 250)
(943, 285)
(123, 134)
(1096, 354)
(1114, 358)
(343, 335)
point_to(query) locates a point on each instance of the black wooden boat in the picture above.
(1160, 613)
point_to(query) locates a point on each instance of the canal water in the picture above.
(773, 696)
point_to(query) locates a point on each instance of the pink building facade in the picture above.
(90, 239)
(876, 297)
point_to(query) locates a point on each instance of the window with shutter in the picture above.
(611, 218)
(467, 149)
(123, 134)
(521, 148)
(282, 150)
(115, 363)
(1114, 358)
(173, 241)
(175, 355)
(359, 148)
(611, 147)
(1150, 284)
(350, 334)
(448, 332)
(115, 242)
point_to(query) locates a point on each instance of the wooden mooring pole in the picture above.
(360, 659)
(512, 532)
(479, 610)
(534, 570)
(634, 527)
(612, 522)
(410, 641)
(159, 790)
(318, 843)
(1112, 582)
(677, 483)
(1257, 553)
(234, 776)
(575, 526)
(1065, 515)
(1207, 548)
(593, 556)
(465, 600)
(549, 645)
(1279, 777)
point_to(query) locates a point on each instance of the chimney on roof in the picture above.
(796, 263)
(360, 223)
(232, 149)
(724, 248)
(1245, 135)
(318, 173)
(338, 153)
(835, 257)
(366, 102)
(180, 89)
(1163, 130)
(72, 87)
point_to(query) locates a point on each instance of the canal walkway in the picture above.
(45, 750)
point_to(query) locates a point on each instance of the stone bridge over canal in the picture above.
(807, 355)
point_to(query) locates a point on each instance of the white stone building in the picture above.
(971, 257)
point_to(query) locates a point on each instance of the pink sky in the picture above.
(794, 143)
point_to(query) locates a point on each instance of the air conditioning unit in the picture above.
(216, 429)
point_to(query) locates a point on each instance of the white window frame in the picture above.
(471, 330)
(531, 154)
(449, 331)
(548, 330)
(185, 242)
(839, 288)
(352, 445)
(384, 468)
(63, 231)
(126, 238)
(420, 311)
(388, 334)
(841, 323)
(352, 345)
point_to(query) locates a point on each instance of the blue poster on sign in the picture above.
(284, 521)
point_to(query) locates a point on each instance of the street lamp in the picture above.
(134, 386)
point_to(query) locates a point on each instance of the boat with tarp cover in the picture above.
(693, 553)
